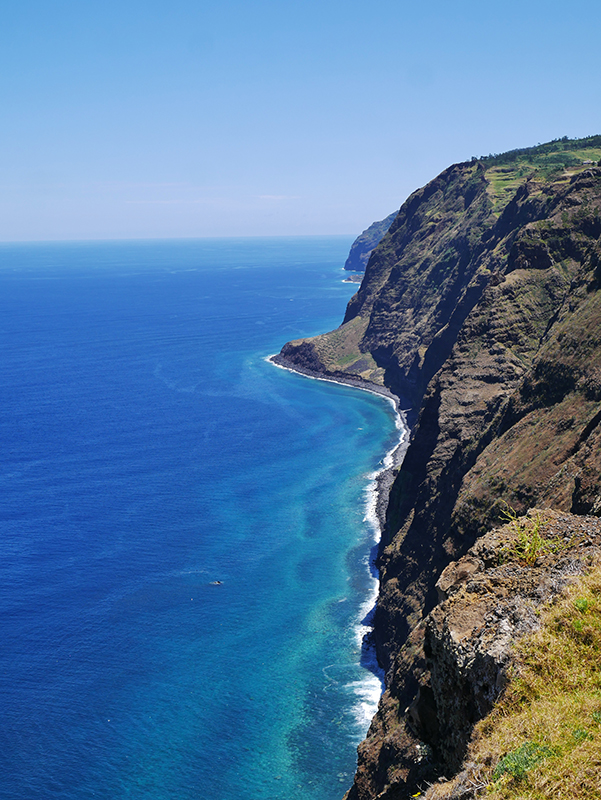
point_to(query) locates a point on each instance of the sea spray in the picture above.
(370, 689)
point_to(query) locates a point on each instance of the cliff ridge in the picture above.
(481, 309)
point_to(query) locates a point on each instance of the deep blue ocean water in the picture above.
(148, 450)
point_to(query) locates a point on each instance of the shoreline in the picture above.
(376, 503)
(393, 459)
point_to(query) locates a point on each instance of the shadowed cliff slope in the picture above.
(482, 308)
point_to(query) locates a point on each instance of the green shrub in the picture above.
(529, 543)
(517, 763)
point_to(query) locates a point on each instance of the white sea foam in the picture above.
(372, 520)
(367, 692)
(369, 689)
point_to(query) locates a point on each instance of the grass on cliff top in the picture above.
(339, 351)
(556, 150)
(557, 160)
(543, 739)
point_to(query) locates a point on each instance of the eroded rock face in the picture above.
(415, 285)
(483, 310)
(455, 662)
(512, 416)
(366, 242)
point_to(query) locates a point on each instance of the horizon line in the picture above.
(176, 238)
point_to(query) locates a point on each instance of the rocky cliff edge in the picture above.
(481, 308)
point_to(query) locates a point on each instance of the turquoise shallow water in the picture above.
(149, 451)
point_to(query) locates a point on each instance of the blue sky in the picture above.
(164, 119)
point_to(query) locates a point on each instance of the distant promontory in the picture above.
(364, 244)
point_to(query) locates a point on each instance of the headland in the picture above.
(480, 310)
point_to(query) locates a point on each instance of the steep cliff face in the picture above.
(415, 286)
(512, 414)
(366, 242)
(482, 308)
(460, 657)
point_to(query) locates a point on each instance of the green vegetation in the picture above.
(517, 763)
(503, 183)
(339, 350)
(529, 543)
(543, 739)
(557, 160)
(556, 151)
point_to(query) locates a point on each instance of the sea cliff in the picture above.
(366, 242)
(481, 310)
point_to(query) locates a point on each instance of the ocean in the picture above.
(186, 529)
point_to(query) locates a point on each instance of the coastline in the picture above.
(393, 459)
(376, 503)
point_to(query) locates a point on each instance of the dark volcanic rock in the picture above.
(482, 307)
(454, 664)
(364, 244)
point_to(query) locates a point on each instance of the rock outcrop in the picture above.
(481, 307)
(455, 662)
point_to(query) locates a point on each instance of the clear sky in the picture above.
(186, 118)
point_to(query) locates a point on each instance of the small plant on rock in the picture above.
(582, 604)
(530, 542)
